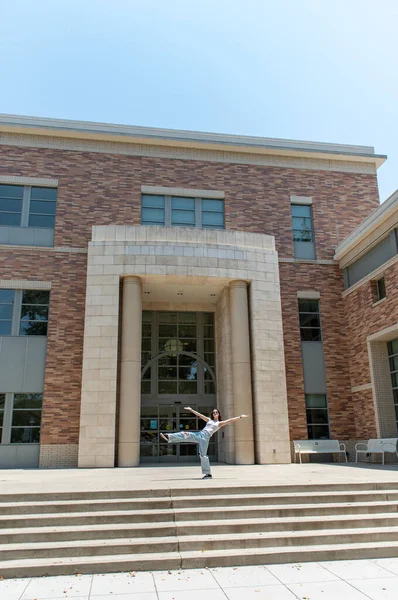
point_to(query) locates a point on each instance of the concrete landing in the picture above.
(177, 477)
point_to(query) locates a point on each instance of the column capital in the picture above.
(129, 279)
(238, 283)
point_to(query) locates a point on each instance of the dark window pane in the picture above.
(35, 297)
(10, 205)
(301, 210)
(33, 328)
(146, 344)
(209, 357)
(315, 401)
(302, 235)
(28, 400)
(213, 206)
(186, 361)
(168, 331)
(146, 330)
(310, 335)
(146, 316)
(151, 215)
(5, 327)
(10, 219)
(186, 217)
(171, 345)
(167, 317)
(212, 219)
(208, 318)
(187, 317)
(188, 373)
(394, 379)
(34, 312)
(189, 345)
(187, 331)
(318, 432)
(167, 373)
(42, 208)
(169, 359)
(187, 387)
(2, 401)
(317, 416)
(25, 435)
(393, 362)
(308, 305)
(6, 296)
(309, 320)
(188, 450)
(26, 418)
(145, 387)
(6, 311)
(147, 374)
(208, 345)
(153, 201)
(167, 387)
(183, 203)
(209, 387)
(393, 347)
(40, 193)
(11, 191)
(41, 221)
(396, 412)
(208, 331)
(381, 288)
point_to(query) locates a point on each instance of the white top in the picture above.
(212, 427)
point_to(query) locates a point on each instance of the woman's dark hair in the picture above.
(219, 414)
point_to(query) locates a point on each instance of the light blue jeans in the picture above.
(196, 437)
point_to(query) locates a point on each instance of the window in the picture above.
(381, 289)
(392, 348)
(34, 312)
(310, 323)
(6, 311)
(303, 235)
(2, 406)
(26, 419)
(24, 312)
(179, 211)
(27, 206)
(317, 416)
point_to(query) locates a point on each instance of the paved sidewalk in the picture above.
(338, 580)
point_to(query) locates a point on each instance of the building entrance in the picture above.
(178, 369)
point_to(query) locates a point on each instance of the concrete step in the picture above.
(184, 514)
(194, 559)
(183, 528)
(202, 543)
(203, 501)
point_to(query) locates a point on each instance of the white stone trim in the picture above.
(384, 335)
(24, 284)
(14, 180)
(376, 274)
(361, 388)
(308, 162)
(309, 294)
(307, 261)
(70, 249)
(306, 200)
(191, 192)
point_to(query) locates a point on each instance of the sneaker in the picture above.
(208, 476)
(164, 437)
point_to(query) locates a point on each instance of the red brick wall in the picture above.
(327, 280)
(100, 189)
(364, 317)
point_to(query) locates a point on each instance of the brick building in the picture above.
(146, 269)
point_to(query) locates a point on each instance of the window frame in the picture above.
(379, 293)
(198, 211)
(17, 313)
(8, 414)
(26, 203)
(318, 313)
(313, 408)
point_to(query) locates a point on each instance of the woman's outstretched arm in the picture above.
(227, 421)
(196, 413)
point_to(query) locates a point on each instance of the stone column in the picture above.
(130, 374)
(241, 373)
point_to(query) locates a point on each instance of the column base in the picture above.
(128, 454)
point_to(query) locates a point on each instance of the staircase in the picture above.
(94, 532)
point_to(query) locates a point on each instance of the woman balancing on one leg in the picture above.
(213, 424)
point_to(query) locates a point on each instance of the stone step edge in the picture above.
(200, 539)
(188, 559)
(182, 511)
(186, 524)
(213, 490)
(203, 497)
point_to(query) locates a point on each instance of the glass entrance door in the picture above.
(168, 418)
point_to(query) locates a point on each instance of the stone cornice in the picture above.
(145, 141)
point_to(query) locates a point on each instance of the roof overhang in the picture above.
(186, 139)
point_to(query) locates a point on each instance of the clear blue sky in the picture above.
(323, 70)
